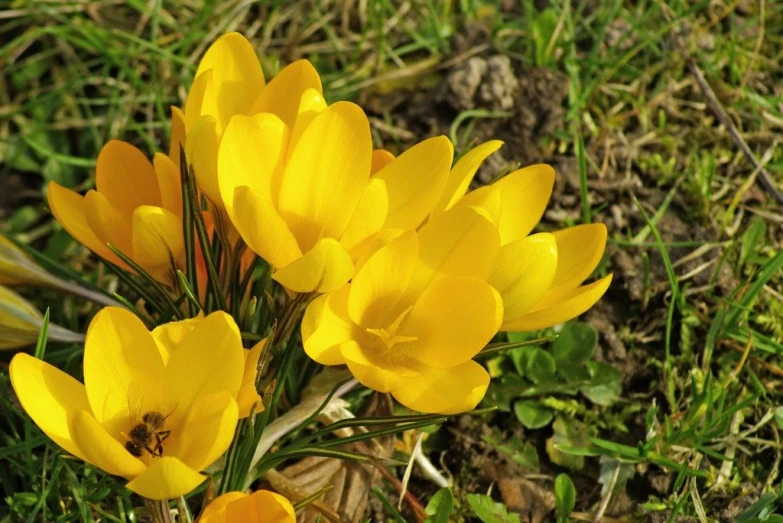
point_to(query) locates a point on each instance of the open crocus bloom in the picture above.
(300, 197)
(539, 276)
(415, 314)
(136, 206)
(149, 412)
(262, 506)
(229, 82)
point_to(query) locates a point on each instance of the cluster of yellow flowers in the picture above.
(407, 274)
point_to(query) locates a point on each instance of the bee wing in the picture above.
(134, 406)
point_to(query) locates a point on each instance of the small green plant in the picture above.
(490, 511)
(534, 380)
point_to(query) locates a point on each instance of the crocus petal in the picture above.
(326, 174)
(311, 105)
(283, 94)
(166, 478)
(525, 193)
(415, 181)
(364, 250)
(524, 273)
(101, 449)
(453, 319)
(158, 243)
(123, 369)
(178, 133)
(484, 200)
(458, 242)
(202, 152)
(369, 215)
(377, 288)
(108, 223)
(216, 510)
(462, 173)
(169, 335)
(273, 508)
(251, 153)
(380, 376)
(169, 181)
(380, 159)
(263, 229)
(580, 248)
(559, 307)
(207, 432)
(48, 395)
(236, 75)
(326, 325)
(326, 267)
(69, 209)
(208, 360)
(445, 391)
(201, 100)
(126, 177)
(248, 399)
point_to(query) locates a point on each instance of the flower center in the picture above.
(388, 336)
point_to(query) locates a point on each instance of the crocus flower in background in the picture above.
(149, 411)
(136, 207)
(539, 276)
(262, 506)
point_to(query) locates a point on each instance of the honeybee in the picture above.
(148, 430)
(148, 435)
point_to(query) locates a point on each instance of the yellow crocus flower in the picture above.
(136, 206)
(300, 197)
(229, 81)
(539, 276)
(415, 315)
(150, 414)
(262, 506)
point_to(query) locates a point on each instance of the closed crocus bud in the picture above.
(18, 268)
(151, 412)
(262, 506)
(21, 322)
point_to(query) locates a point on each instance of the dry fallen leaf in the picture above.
(350, 482)
(528, 499)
